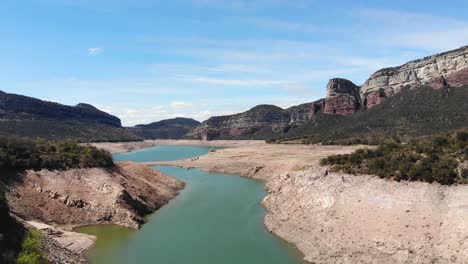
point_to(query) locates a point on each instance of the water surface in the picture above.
(216, 219)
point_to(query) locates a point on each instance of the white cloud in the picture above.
(181, 104)
(282, 25)
(95, 51)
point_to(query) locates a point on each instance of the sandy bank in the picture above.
(339, 218)
(261, 161)
(65, 199)
(122, 147)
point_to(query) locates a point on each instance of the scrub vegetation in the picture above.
(440, 158)
(24, 153)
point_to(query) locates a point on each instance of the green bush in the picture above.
(31, 252)
(433, 159)
(23, 153)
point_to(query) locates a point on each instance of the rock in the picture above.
(317, 107)
(373, 98)
(438, 71)
(342, 97)
(90, 196)
(261, 121)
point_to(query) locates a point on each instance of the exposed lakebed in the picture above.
(217, 218)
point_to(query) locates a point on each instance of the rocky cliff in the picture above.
(166, 129)
(31, 117)
(342, 97)
(440, 70)
(260, 122)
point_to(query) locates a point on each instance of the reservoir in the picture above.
(217, 218)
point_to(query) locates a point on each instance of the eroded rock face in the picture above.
(261, 121)
(122, 196)
(440, 70)
(316, 107)
(342, 97)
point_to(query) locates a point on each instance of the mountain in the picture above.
(166, 129)
(31, 117)
(410, 112)
(260, 122)
(440, 72)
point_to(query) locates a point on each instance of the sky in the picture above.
(146, 61)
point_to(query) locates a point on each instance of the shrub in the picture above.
(31, 252)
(433, 159)
(22, 153)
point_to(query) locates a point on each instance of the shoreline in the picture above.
(58, 202)
(341, 218)
(125, 147)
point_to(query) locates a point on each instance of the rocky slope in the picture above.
(258, 122)
(27, 116)
(122, 196)
(166, 129)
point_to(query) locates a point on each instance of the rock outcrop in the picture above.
(440, 70)
(120, 196)
(342, 97)
(260, 122)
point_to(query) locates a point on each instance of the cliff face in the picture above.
(440, 70)
(31, 117)
(92, 196)
(260, 122)
(342, 97)
(166, 129)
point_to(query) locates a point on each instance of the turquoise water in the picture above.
(216, 219)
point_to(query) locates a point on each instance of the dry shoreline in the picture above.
(122, 147)
(339, 218)
(57, 201)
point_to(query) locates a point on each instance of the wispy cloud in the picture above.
(181, 104)
(95, 51)
(282, 25)
(402, 29)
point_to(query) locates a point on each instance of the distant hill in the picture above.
(166, 129)
(260, 122)
(31, 117)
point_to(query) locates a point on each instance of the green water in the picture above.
(217, 219)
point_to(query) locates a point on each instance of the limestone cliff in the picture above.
(439, 70)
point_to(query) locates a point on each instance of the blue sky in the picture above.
(149, 60)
